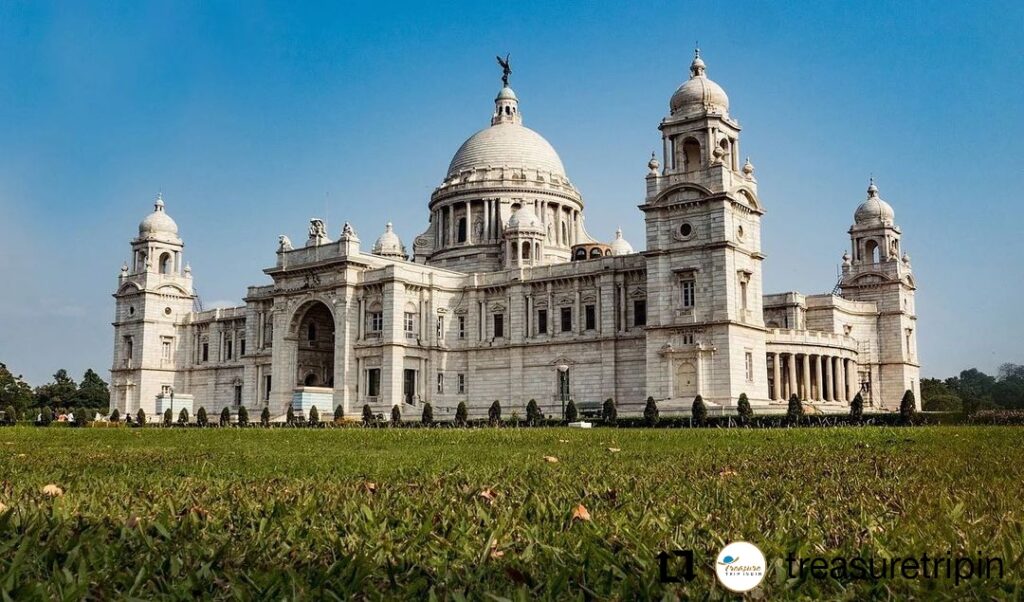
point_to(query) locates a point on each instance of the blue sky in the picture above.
(252, 117)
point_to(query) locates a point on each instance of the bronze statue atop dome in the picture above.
(506, 69)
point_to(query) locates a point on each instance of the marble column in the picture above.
(828, 389)
(851, 379)
(791, 364)
(840, 380)
(469, 222)
(777, 375)
(807, 376)
(817, 378)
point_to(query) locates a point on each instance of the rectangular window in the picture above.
(206, 352)
(743, 294)
(440, 382)
(241, 347)
(462, 384)
(566, 319)
(590, 317)
(129, 350)
(373, 382)
(542, 321)
(749, 362)
(462, 327)
(266, 388)
(410, 322)
(687, 338)
(230, 349)
(165, 349)
(499, 326)
(688, 287)
(376, 321)
(640, 312)
(440, 328)
(238, 395)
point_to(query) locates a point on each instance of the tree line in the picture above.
(974, 390)
(91, 393)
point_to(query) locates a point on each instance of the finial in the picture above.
(748, 168)
(506, 69)
(697, 66)
(872, 189)
(653, 164)
(159, 203)
(188, 268)
(696, 50)
(387, 227)
(618, 233)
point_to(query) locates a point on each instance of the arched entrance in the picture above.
(315, 346)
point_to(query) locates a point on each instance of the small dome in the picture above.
(874, 210)
(388, 244)
(699, 94)
(524, 219)
(158, 223)
(506, 93)
(619, 245)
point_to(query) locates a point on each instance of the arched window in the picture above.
(310, 380)
(526, 250)
(581, 254)
(565, 234)
(311, 332)
(595, 252)
(462, 230)
(165, 263)
(691, 155)
(871, 250)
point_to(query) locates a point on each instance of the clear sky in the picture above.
(254, 117)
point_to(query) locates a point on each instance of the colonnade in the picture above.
(812, 377)
(489, 213)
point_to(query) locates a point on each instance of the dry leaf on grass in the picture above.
(488, 495)
(551, 459)
(563, 440)
(371, 487)
(614, 450)
(726, 472)
(3, 507)
(52, 490)
(580, 512)
(21, 456)
(495, 552)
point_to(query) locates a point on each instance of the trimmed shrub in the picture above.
(857, 408)
(428, 414)
(46, 416)
(9, 416)
(494, 413)
(183, 416)
(314, 416)
(795, 410)
(699, 411)
(225, 417)
(168, 417)
(533, 415)
(289, 416)
(609, 413)
(461, 414)
(339, 414)
(908, 407)
(396, 416)
(201, 419)
(140, 417)
(115, 416)
(243, 416)
(743, 410)
(571, 413)
(651, 412)
(368, 417)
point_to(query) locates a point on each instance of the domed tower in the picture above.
(524, 238)
(154, 295)
(389, 245)
(496, 171)
(705, 328)
(879, 270)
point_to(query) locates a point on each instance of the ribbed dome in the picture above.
(388, 244)
(506, 145)
(619, 245)
(874, 209)
(699, 94)
(524, 219)
(158, 223)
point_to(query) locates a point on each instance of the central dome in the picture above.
(506, 145)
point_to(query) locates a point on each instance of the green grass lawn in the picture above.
(152, 513)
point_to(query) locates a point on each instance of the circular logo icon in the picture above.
(740, 566)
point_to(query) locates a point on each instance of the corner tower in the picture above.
(705, 328)
(154, 295)
(879, 270)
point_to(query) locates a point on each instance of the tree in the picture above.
(743, 410)
(368, 417)
(289, 416)
(651, 412)
(857, 408)
(908, 407)
(60, 393)
(699, 411)
(609, 413)
(571, 413)
(93, 391)
(115, 416)
(201, 419)
(140, 417)
(428, 414)
(461, 415)
(81, 416)
(183, 416)
(14, 391)
(225, 417)
(10, 417)
(396, 416)
(795, 410)
(339, 414)
(46, 416)
(314, 416)
(494, 413)
(533, 415)
(168, 417)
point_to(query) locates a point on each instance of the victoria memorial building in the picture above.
(506, 296)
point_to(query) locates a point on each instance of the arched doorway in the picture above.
(315, 346)
(685, 385)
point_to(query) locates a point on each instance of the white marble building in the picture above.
(506, 296)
